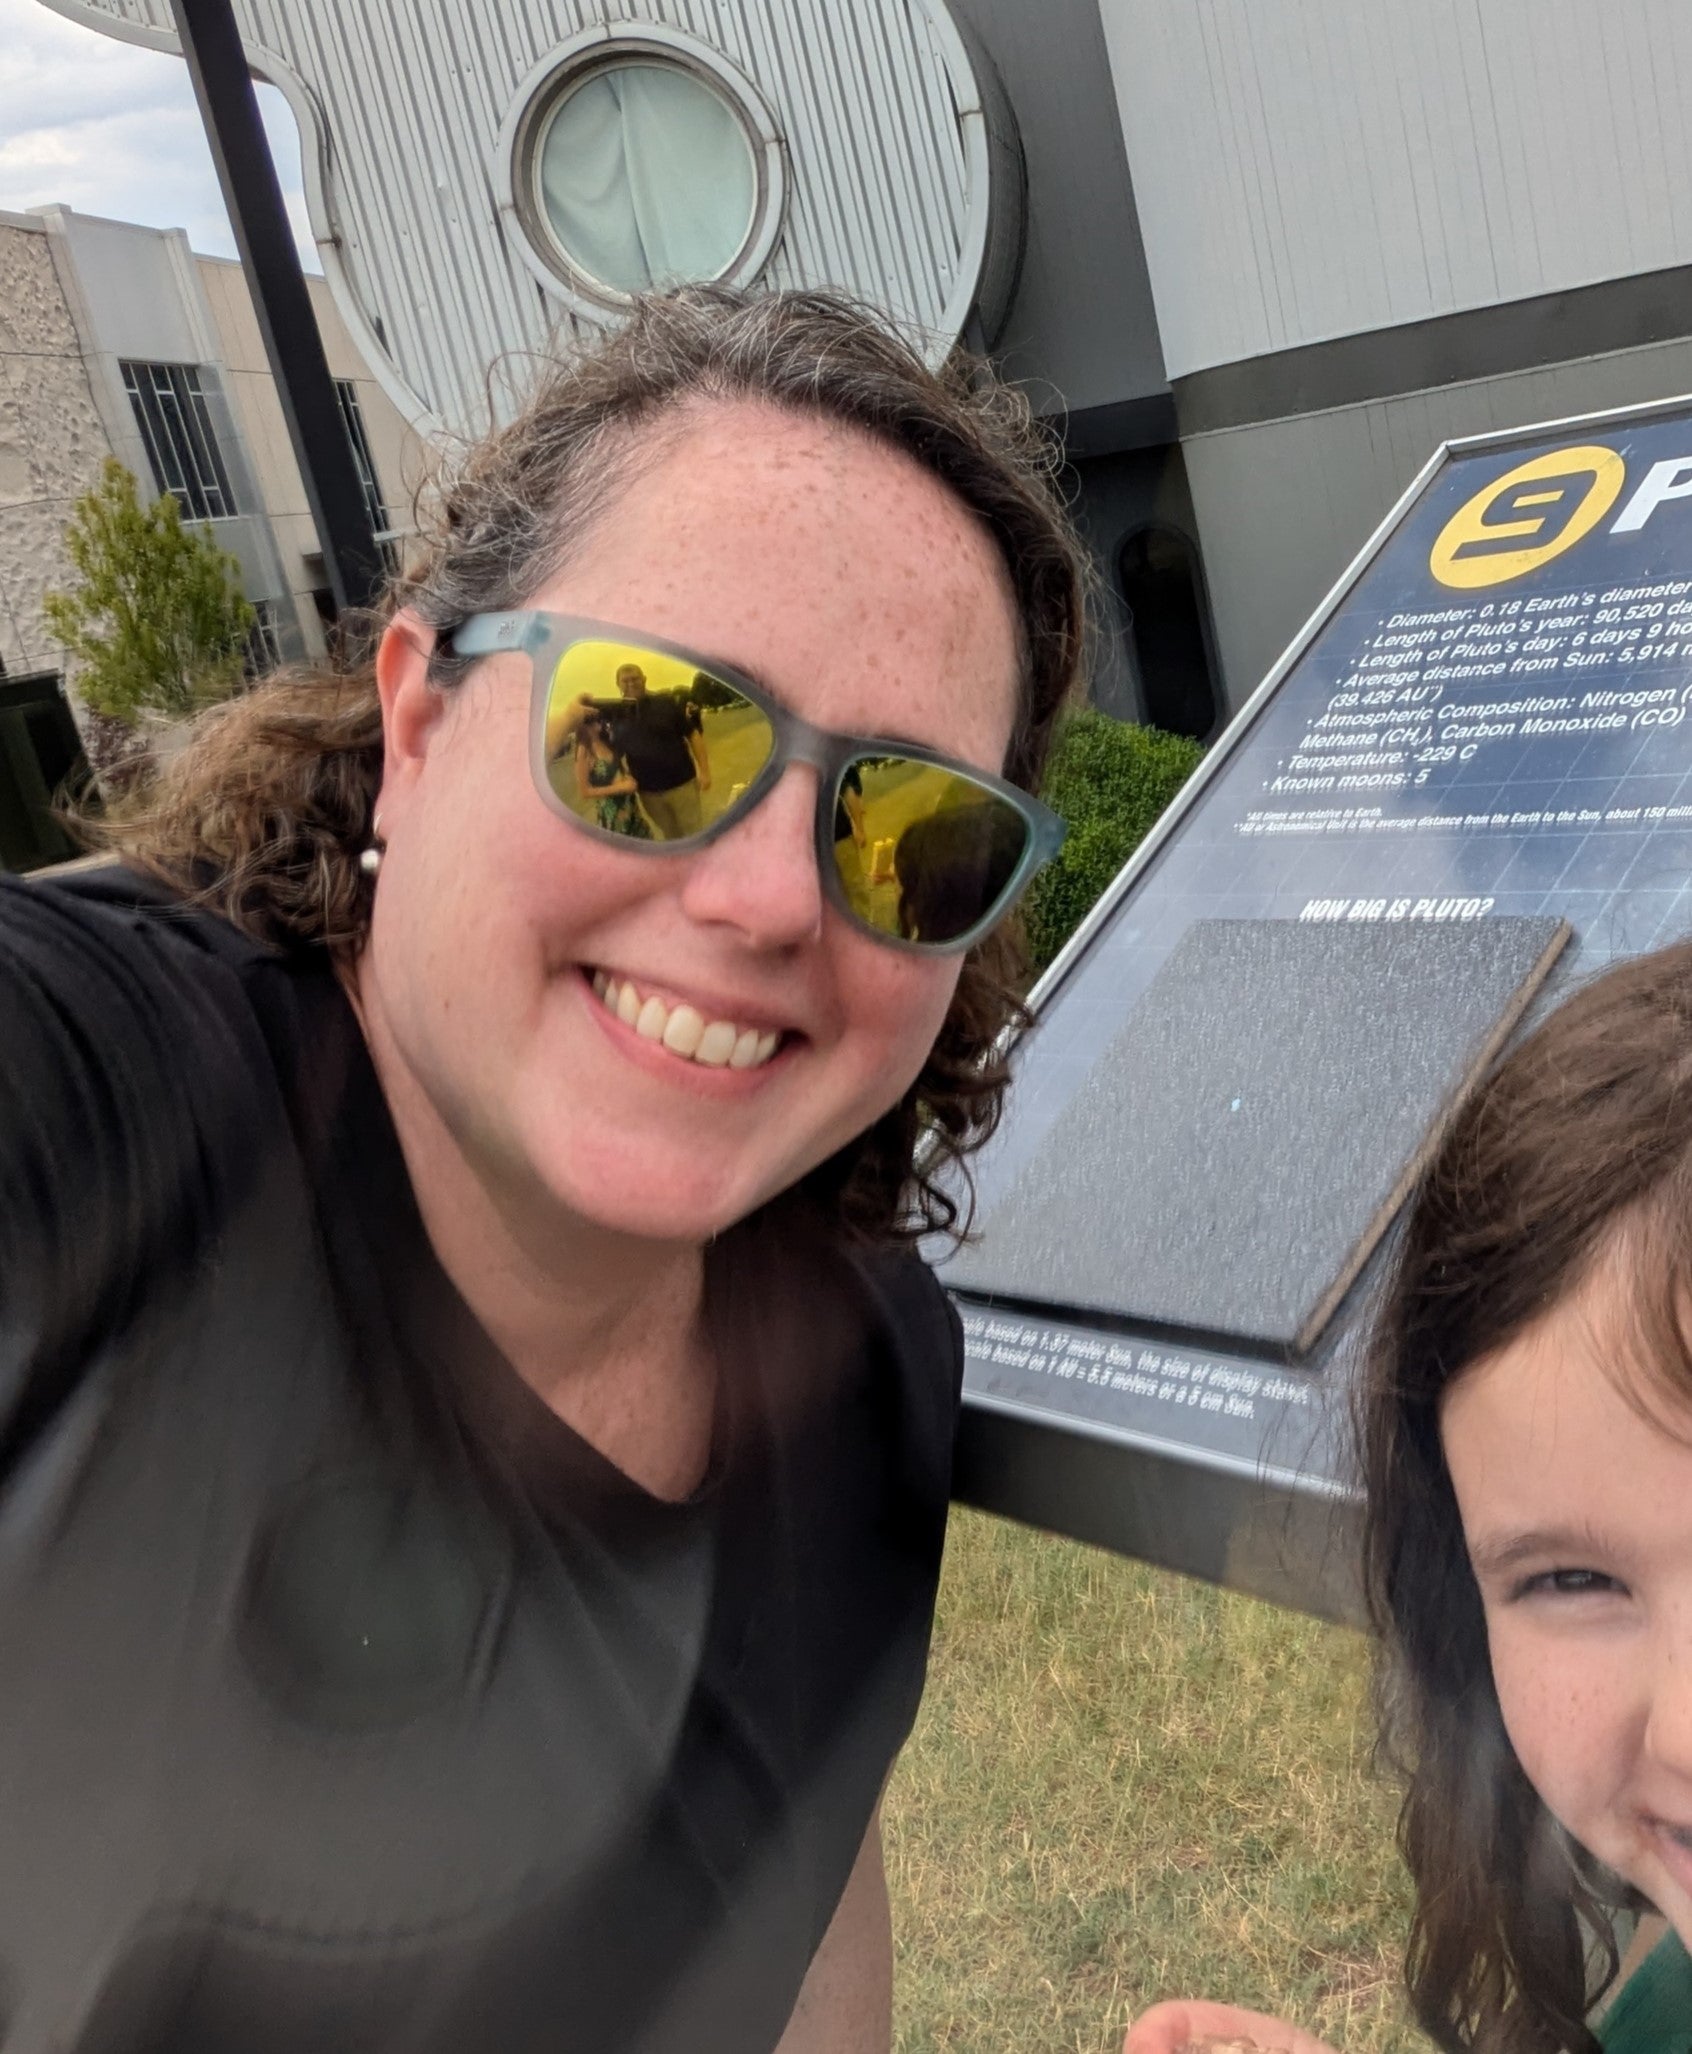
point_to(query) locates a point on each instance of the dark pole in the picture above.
(223, 86)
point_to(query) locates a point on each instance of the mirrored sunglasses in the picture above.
(642, 744)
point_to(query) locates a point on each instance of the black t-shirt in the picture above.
(652, 734)
(348, 1700)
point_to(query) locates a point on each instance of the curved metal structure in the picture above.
(890, 148)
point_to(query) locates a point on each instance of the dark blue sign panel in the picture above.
(1493, 717)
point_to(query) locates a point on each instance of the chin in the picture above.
(659, 1204)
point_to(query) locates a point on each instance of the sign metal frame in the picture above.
(1274, 1529)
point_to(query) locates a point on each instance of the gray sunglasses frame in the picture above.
(545, 638)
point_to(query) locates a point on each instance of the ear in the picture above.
(412, 708)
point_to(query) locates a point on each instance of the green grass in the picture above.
(1125, 1786)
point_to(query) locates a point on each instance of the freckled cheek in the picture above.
(899, 1004)
(1568, 1731)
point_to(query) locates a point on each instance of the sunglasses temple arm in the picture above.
(486, 634)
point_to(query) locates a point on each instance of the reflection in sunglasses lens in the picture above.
(923, 852)
(645, 747)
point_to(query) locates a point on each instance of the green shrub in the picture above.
(1110, 780)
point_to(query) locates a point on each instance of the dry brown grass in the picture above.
(1125, 1786)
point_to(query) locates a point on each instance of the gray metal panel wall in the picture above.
(131, 284)
(1082, 329)
(412, 98)
(1283, 506)
(1311, 168)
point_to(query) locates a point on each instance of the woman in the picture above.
(473, 1439)
(604, 782)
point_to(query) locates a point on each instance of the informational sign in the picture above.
(1492, 715)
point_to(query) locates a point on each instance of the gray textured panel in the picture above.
(1246, 1137)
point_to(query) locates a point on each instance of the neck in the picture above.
(606, 1328)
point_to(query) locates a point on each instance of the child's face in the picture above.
(1578, 1516)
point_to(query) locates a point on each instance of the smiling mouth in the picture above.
(684, 1030)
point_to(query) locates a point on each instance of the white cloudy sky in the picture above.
(109, 129)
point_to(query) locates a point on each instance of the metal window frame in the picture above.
(264, 651)
(364, 461)
(177, 433)
(567, 66)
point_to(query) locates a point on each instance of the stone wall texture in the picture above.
(52, 443)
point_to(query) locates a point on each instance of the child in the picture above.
(603, 779)
(1527, 1448)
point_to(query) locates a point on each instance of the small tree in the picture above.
(156, 618)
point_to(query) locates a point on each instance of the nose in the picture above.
(1668, 1724)
(761, 876)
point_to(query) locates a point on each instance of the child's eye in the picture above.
(1566, 1583)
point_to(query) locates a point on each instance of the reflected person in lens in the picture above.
(665, 750)
(474, 1433)
(603, 778)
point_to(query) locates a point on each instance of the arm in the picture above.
(853, 800)
(122, 1124)
(701, 758)
(563, 721)
(846, 2001)
(1168, 2027)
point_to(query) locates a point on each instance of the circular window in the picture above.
(646, 177)
(643, 163)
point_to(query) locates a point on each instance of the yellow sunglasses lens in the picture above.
(923, 852)
(646, 747)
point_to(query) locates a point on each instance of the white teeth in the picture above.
(682, 1033)
(649, 1021)
(684, 1030)
(716, 1044)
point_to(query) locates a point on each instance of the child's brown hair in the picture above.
(1577, 1149)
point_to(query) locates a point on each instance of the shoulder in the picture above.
(858, 1342)
(141, 1080)
(1653, 2005)
(110, 967)
(919, 1328)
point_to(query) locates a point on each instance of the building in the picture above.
(390, 458)
(1257, 258)
(118, 340)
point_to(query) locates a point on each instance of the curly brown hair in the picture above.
(1577, 1150)
(264, 814)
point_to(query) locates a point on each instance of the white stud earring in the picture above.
(370, 861)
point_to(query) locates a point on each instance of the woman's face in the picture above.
(865, 597)
(1577, 1510)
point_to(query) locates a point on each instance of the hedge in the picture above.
(1110, 780)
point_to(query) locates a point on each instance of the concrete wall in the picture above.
(134, 294)
(400, 457)
(52, 440)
